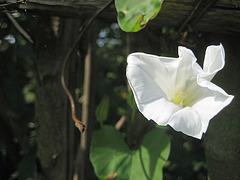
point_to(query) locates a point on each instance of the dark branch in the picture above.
(10, 5)
(19, 28)
(184, 24)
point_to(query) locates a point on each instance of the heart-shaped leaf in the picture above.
(133, 15)
(111, 157)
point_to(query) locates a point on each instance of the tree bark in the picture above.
(54, 37)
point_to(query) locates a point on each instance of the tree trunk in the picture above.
(55, 128)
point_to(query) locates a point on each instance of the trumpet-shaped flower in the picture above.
(177, 91)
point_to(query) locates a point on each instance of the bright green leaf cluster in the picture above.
(110, 155)
(133, 15)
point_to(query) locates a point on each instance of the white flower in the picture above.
(177, 91)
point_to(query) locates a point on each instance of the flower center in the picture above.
(180, 99)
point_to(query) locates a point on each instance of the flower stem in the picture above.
(133, 116)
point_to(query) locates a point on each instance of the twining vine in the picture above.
(78, 123)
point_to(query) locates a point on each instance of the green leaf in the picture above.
(133, 15)
(102, 110)
(111, 156)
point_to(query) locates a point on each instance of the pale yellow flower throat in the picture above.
(180, 99)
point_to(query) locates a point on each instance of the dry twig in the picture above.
(78, 123)
(120, 122)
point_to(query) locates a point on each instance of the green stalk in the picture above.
(133, 116)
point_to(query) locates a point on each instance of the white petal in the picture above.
(214, 100)
(159, 69)
(187, 68)
(214, 61)
(186, 53)
(159, 111)
(150, 83)
(187, 121)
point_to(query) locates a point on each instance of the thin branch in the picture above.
(12, 3)
(191, 25)
(78, 123)
(9, 6)
(19, 28)
(204, 10)
(189, 17)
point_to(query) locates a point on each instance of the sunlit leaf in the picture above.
(110, 155)
(133, 15)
